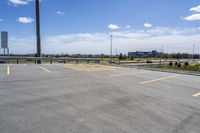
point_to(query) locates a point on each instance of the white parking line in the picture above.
(159, 79)
(126, 74)
(43, 68)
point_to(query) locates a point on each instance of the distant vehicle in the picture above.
(149, 61)
(61, 61)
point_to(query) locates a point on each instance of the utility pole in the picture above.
(161, 53)
(193, 51)
(116, 52)
(38, 39)
(111, 37)
(199, 56)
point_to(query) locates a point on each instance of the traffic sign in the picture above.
(4, 39)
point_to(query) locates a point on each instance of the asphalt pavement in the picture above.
(63, 99)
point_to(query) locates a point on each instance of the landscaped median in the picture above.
(178, 67)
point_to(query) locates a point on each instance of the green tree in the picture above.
(171, 63)
(131, 57)
(121, 56)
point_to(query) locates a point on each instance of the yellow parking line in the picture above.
(43, 68)
(196, 95)
(8, 70)
(126, 74)
(159, 79)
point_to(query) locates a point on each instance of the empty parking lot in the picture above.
(96, 99)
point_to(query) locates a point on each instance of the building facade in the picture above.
(143, 54)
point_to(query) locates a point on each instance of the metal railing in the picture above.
(50, 59)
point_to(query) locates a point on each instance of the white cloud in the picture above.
(1, 20)
(19, 2)
(192, 17)
(128, 27)
(113, 26)
(25, 20)
(173, 40)
(195, 9)
(60, 12)
(195, 16)
(22, 45)
(147, 25)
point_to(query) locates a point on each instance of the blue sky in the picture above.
(83, 26)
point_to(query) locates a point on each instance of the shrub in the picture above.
(176, 63)
(124, 57)
(171, 63)
(187, 63)
(196, 66)
(149, 61)
(179, 65)
(131, 57)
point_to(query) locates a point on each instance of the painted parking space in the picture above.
(34, 95)
(43, 68)
(160, 79)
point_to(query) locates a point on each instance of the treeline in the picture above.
(164, 55)
(121, 56)
(179, 56)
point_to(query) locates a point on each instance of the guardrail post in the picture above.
(17, 61)
(51, 61)
(64, 61)
(88, 61)
(76, 61)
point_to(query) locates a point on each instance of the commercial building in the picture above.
(143, 54)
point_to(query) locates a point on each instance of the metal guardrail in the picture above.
(51, 59)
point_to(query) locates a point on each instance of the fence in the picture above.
(6, 59)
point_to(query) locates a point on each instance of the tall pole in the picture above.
(161, 53)
(37, 6)
(199, 56)
(193, 52)
(111, 37)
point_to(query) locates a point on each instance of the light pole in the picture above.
(193, 51)
(111, 37)
(161, 53)
(38, 39)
